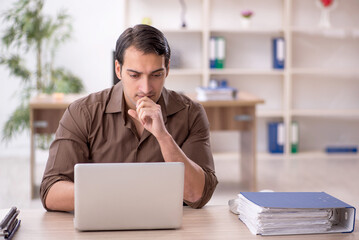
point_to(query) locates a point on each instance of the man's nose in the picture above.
(145, 86)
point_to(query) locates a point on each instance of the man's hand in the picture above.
(149, 114)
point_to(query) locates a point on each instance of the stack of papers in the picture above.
(9, 223)
(276, 213)
(214, 94)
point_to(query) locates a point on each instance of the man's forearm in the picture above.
(61, 196)
(194, 174)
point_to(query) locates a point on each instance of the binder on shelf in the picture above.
(217, 52)
(276, 136)
(216, 94)
(294, 137)
(278, 52)
(286, 213)
(220, 52)
(341, 149)
(212, 52)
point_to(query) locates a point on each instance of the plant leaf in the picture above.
(17, 123)
(16, 67)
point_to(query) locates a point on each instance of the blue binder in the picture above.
(276, 137)
(212, 52)
(295, 200)
(341, 149)
(343, 212)
(278, 48)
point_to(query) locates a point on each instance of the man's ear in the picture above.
(118, 69)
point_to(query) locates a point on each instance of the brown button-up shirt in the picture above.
(96, 129)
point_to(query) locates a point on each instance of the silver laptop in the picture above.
(120, 196)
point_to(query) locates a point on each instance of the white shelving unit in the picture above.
(319, 87)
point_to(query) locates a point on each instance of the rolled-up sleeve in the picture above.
(197, 148)
(68, 148)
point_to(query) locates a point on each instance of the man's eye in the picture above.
(134, 75)
(158, 75)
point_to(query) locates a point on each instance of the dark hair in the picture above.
(144, 38)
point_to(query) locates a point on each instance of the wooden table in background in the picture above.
(45, 114)
(210, 222)
(239, 114)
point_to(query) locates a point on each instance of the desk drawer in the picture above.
(46, 121)
(230, 118)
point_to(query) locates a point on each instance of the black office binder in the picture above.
(9, 223)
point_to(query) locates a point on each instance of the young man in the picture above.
(137, 120)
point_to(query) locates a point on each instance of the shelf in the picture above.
(313, 71)
(306, 155)
(251, 30)
(187, 71)
(322, 66)
(180, 30)
(326, 113)
(270, 156)
(331, 32)
(270, 113)
(322, 154)
(238, 71)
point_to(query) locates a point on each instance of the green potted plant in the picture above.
(32, 34)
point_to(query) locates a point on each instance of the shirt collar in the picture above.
(116, 102)
(169, 103)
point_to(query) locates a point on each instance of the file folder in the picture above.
(212, 52)
(278, 53)
(341, 149)
(276, 136)
(220, 52)
(341, 217)
(294, 137)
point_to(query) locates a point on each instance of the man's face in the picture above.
(141, 75)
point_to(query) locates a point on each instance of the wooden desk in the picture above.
(45, 114)
(239, 114)
(210, 222)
